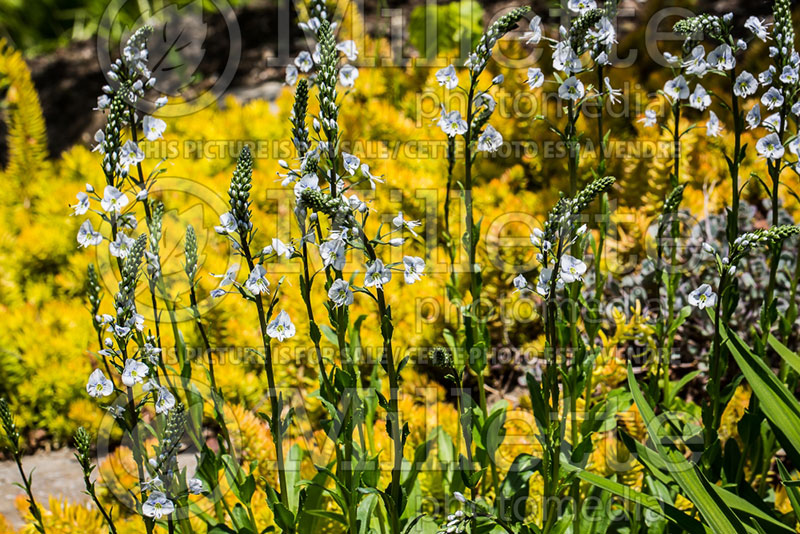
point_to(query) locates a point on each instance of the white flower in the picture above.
(308, 181)
(229, 277)
(130, 154)
(765, 78)
(535, 78)
(534, 35)
(773, 122)
(722, 58)
(377, 275)
(484, 99)
(459, 497)
(604, 34)
(794, 146)
(113, 199)
(770, 147)
(165, 401)
(451, 123)
(414, 268)
(613, 94)
(672, 59)
(153, 127)
(571, 89)
(304, 61)
(257, 282)
(795, 109)
(696, 64)
(348, 48)
(280, 248)
(350, 163)
(490, 140)
(649, 118)
(520, 283)
(789, 75)
(291, 75)
(348, 75)
(676, 89)
(581, 6)
(227, 224)
(281, 328)
(544, 282)
(447, 77)
(157, 506)
(340, 293)
(713, 125)
(745, 85)
(98, 385)
(134, 372)
(758, 27)
(372, 178)
(356, 204)
(312, 25)
(772, 98)
(400, 222)
(572, 269)
(699, 99)
(161, 102)
(83, 204)
(333, 253)
(703, 296)
(753, 117)
(120, 247)
(195, 486)
(565, 58)
(87, 236)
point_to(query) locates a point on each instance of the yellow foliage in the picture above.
(27, 140)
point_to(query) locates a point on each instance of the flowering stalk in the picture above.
(559, 269)
(95, 296)
(477, 136)
(83, 455)
(785, 59)
(703, 297)
(12, 438)
(239, 195)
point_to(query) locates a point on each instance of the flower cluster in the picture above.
(715, 27)
(560, 232)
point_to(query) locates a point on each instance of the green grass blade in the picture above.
(665, 509)
(777, 402)
(695, 487)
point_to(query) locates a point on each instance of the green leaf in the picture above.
(776, 401)
(785, 353)
(695, 487)
(678, 385)
(654, 504)
(791, 490)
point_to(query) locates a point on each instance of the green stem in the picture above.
(715, 367)
(275, 416)
(393, 414)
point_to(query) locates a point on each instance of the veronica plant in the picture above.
(11, 444)
(582, 49)
(691, 65)
(333, 220)
(478, 136)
